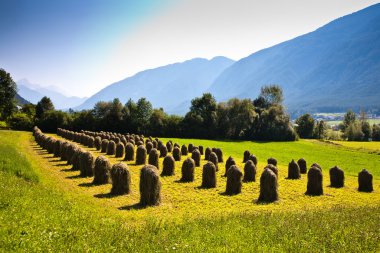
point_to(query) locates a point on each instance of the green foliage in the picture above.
(320, 130)
(376, 132)
(51, 120)
(272, 95)
(349, 118)
(367, 130)
(354, 131)
(144, 111)
(306, 126)
(21, 121)
(43, 106)
(8, 90)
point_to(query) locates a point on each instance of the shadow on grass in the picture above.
(86, 184)
(179, 181)
(136, 206)
(67, 170)
(74, 177)
(106, 196)
(61, 164)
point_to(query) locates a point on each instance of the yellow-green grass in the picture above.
(190, 218)
(373, 146)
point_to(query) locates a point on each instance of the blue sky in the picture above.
(82, 46)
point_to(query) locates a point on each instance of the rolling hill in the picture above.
(333, 68)
(171, 87)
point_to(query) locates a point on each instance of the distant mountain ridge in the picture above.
(34, 93)
(336, 66)
(170, 87)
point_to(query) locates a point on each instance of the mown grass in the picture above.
(61, 213)
(372, 146)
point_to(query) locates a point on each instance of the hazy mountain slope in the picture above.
(34, 93)
(20, 100)
(167, 87)
(335, 66)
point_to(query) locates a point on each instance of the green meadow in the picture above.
(45, 206)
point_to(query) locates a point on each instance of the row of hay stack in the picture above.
(100, 168)
(268, 180)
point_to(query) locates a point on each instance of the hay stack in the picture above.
(207, 153)
(214, 159)
(91, 142)
(294, 170)
(140, 155)
(121, 179)
(102, 171)
(196, 156)
(234, 180)
(177, 154)
(209, 175)
(169, 146)
(163, 151)
(188, 167)
(246, 156)
(57, 148)
(184, 150)
(336, 177)
(154, 158)
(219, 153)
(129, 152)
(365, 181)
(75, 159)
(316, 165)
(149, 146)
(253, 158)
(87, 163)
(249, 172)
(272, 161)
(150, 186)
(191, 148)
(230, 161)
(120, 150)
(168, 166)
(155, 145)
(201, 149)
(303, 166)
(314, 182)
(268, 186)
(111, 148)
(272, 168)
(98, 143)
(104, 145)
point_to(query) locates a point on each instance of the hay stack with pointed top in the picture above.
(234, 180)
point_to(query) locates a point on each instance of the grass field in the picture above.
(373, 146)
(44, 206)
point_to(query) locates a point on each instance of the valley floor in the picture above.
(44, 206)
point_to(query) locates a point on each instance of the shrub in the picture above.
(121, 179)
(150, 186)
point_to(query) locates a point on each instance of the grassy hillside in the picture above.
(45, 206)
